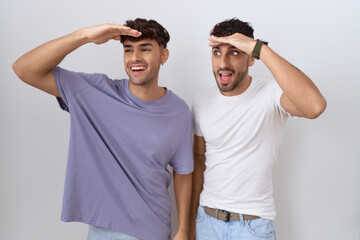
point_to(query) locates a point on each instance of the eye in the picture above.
(146, 50)
(235, 53)
(128, 50)
(216, 53)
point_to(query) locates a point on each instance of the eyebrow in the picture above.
(146, 45)
(229, 48)
(141, 45)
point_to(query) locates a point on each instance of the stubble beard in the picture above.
(238, 79)
(141, 82)
(144, 81)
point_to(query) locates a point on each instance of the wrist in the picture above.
(252, 46)
(264, 51)
(183, 228)
(81, 36)
(259, 45)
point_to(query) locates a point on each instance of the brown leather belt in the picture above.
(227, 216)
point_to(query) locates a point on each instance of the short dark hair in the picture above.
(231, 26)
(150, 29)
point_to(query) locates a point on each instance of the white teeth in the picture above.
(137, 68)
(225, 74)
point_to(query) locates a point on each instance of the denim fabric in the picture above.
(208, 227)
(97, 233)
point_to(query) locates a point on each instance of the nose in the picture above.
(224, 62)
(136, 56)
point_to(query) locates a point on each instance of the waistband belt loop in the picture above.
(241, 218)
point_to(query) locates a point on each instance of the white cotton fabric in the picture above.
(243, 134)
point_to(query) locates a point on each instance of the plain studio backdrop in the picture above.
(317, 180)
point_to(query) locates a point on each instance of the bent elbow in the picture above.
(23, 72)
(18, 70)
(318, 109)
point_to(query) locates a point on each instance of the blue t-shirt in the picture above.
(119, 150)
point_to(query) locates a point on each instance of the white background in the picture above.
(317, 180)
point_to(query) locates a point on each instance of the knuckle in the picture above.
(108, 25)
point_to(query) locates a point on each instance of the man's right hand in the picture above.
(102, 33)
(35, 67)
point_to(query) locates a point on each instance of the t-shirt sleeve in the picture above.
(183, 160)
(68, 84)
(276, 93)
(196, 128)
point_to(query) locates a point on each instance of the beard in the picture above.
(146, 79)
(141, 82)
(234, 84)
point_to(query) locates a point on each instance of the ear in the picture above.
(251, 61)
(164, 55)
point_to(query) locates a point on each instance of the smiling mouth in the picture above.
(137, 68)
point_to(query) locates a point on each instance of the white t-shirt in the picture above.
(243, 134)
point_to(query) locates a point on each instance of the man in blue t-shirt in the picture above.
(124, 134)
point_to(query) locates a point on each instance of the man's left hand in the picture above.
(238, 40)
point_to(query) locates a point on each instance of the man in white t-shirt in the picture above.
(238, 131)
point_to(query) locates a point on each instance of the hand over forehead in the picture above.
(216, 41)
(238, 40)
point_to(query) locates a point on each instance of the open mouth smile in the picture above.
(137, 69)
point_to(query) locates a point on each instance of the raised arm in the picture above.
(300, 95)
(197, 183)
(35, 67)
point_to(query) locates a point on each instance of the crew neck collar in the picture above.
(145, 103)
(241, 95)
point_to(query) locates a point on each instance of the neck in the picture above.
(147, 92)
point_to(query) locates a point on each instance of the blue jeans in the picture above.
(208, 227)
(97, 233)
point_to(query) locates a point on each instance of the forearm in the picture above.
(41, 60)
(298, 87)
(301, 96)
(197, 186)
(182, 188)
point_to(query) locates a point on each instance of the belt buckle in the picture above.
(227, 215)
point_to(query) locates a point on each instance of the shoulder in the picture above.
(178, 104)
(265, 85)
(64, 74)
(261, 83)
(121, 83)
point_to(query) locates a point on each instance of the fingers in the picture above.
(216, 41)
(238, 40)
(130, 32)
(212, 38)
(214, 44)
(124, 30)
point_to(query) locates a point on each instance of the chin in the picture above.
(139, 82)
(225, 88)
